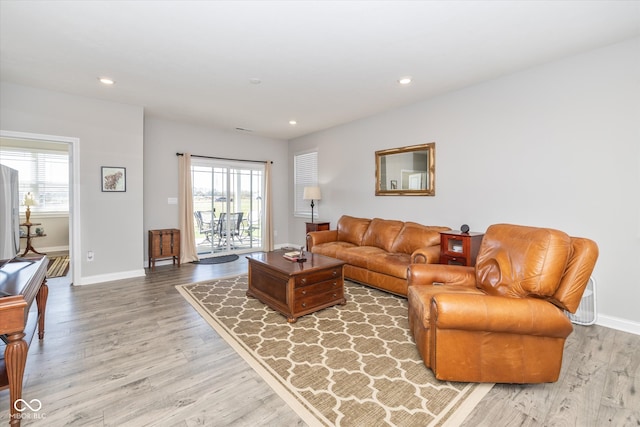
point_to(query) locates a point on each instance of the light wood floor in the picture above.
(134, 352)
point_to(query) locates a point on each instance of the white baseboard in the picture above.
(619, 324)
(51, 249)
(101, 278)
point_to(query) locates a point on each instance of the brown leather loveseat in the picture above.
(502, 320)
(378, 251)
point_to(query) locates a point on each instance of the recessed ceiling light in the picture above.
(106, 80)
(293, 122)
(255, 80)
(405, 80)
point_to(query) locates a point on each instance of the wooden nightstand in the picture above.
(458, 248)
(317, 226)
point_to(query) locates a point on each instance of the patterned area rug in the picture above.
(58, 267)
(347, 365)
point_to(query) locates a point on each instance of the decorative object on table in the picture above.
(114, 179)
(464, 228)
(297, 256)
(29, 201)
(312, 193)
(40, 231)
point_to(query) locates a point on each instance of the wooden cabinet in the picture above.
(317, 226)
(458, 248)
(164, 244)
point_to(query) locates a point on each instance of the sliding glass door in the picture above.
(227, 203)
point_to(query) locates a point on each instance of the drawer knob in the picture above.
(303, 281)
(335, 284)
(334, 295)
(304, 292)
(304, 304)
(335, 273)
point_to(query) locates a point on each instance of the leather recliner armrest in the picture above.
(486, 313)
(317, 237)
(426, 255)
(441, 274)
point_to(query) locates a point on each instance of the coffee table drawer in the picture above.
(318, 288)
(313, 300)
(318, 276)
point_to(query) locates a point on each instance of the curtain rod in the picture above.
(225, 158)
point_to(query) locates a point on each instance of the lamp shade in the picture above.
(312, 193)
(29, 200)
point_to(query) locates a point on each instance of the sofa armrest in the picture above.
(441, 274)
(530, 316)
(426, 255)
(317, 237)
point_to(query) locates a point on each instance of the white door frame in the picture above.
(74, 194)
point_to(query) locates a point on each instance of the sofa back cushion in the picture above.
(414, 236)
(352, 229)
(520, 261)
(381, 233)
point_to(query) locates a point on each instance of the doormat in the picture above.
(217, 259)
(347, 365)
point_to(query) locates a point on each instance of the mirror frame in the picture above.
(430, 169)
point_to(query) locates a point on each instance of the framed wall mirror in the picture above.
(406, 171)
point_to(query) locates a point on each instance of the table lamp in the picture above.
(28, 202)
(311, 193)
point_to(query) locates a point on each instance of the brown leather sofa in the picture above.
(502, 320)
(378, 251)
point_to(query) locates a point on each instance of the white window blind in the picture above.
(44, 173)
(305, 175)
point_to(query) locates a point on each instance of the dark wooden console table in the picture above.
(21, 282)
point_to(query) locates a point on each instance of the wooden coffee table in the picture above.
(296, 288)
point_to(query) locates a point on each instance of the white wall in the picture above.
(110, 134)
(555, 146)
(164, 138)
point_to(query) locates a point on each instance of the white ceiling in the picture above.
(321, 63)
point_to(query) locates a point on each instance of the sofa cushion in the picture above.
(382, 233)
(358, 255)
(414, 236)
(393, 264)
(351, 229)
(519, 261)
(331, 249)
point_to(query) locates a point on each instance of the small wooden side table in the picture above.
(31, 236)
(164, 244)
(458, 248)
(317, 226)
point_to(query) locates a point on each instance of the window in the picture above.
(43, 172)
(305, 167)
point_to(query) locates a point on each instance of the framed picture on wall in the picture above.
(114, 179)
